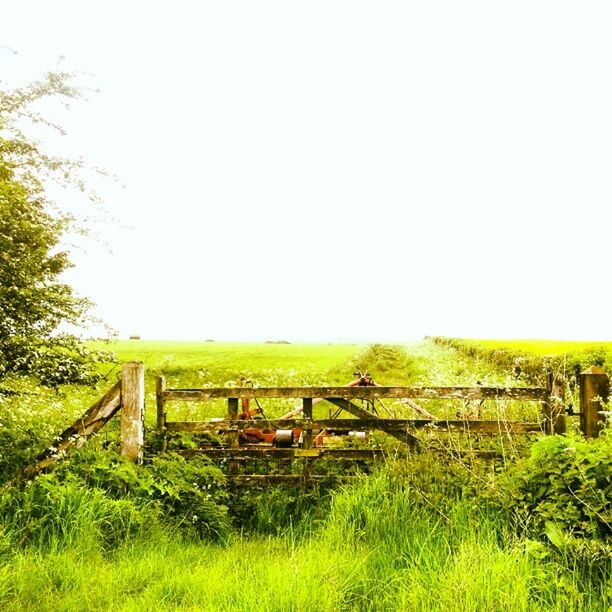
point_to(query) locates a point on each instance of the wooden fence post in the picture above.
(132, 411)
(307, 412)
(233, 437)
(594, 389)
(160, 387)
(555, 421)
(307, 433)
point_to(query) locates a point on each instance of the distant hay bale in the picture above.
(135, 337)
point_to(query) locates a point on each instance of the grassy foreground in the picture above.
(419, 534)
(375, 552)
(378, 549)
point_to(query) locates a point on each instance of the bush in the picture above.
(103, 496)
(563, 487)
(190, 494)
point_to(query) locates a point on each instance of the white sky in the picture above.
(340, 170)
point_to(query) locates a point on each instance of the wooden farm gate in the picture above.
(237, 452)
(127, 398)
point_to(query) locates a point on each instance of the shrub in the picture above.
(109, 498)
(564, 485)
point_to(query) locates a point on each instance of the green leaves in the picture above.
(564, 487)
(118, 497)
(554, 532)
(34, 303)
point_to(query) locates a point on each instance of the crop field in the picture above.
(419, 532)
(544, 347)
(195, 363)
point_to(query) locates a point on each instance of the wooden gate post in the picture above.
(594, 389)
(132, 411)
(160, 387)
(555, 421)
(307, 433)
(233, 437)
(307, 412)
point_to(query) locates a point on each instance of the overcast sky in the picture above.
(339, 170)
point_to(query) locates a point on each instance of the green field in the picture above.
(420, 533)
(193, 363)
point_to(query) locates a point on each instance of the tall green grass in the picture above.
(380, 548)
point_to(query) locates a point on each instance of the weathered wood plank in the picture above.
(345, 454)
(388, 425)
(475, 393)
(307, 436)
(360, 413)
(233, 437)
(553, 407)
(160, 387)
(232, 415)
(594, 392)
(307, 412)
(288, 480)
(351, 454)
(422, 411)
(316, 400)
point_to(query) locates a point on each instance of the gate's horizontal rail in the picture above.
(473, 393)
(287, 453)
(333, 453)
(295, 480)
(395, 425)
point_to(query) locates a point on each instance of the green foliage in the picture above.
(53, 511)
(564, 485)
(32, 415)
(531, 359)
(34, 302)
(190, 494)
(100, 496)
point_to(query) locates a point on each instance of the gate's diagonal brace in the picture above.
(419, 409)
(360, 413)
(92, 421)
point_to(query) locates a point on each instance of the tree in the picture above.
(34, 303)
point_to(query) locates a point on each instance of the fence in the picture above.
(128, 396)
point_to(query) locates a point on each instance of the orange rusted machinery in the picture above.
(285, 438)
